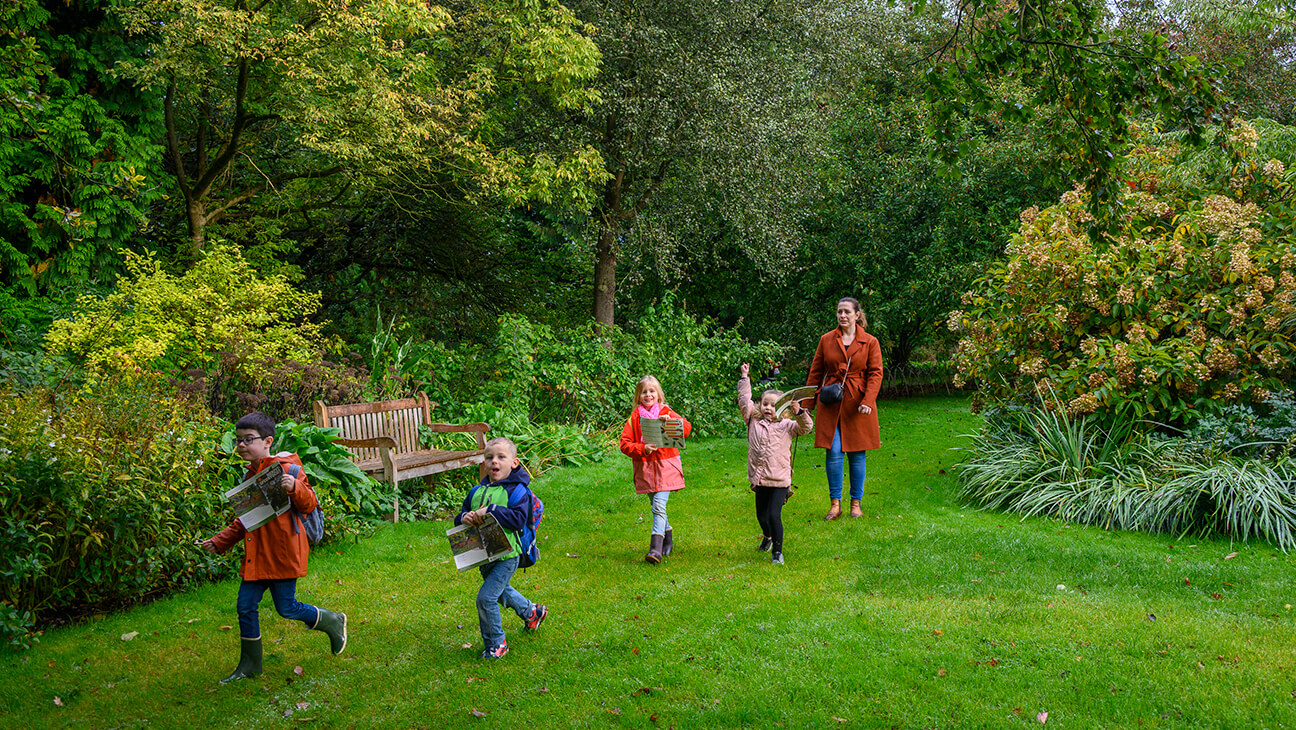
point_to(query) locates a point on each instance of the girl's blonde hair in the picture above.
(643, 383)
(861, 318)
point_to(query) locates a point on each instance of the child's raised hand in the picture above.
(744, 369)
(289, 483)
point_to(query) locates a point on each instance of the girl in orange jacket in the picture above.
(657, 471)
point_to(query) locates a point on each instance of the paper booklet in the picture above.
(783, 406)
(475, 545)
(667, 433)
(260, 498)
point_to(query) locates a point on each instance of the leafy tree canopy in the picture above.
(78, 159)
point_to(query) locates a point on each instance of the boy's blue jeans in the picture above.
(284, 593)
(496, 590)
(660, 523)
(833, 465)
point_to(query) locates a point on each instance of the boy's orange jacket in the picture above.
(274, 551)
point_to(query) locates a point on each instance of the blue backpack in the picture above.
(312, 522)
(527, 535)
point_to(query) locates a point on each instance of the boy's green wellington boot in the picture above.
(667, 543)
(333, 624)
(654, 555)
(249, 660)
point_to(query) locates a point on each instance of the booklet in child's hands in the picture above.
(475, 545)
(668, 433)
(260, 498)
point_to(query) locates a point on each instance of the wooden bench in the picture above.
(383, 439)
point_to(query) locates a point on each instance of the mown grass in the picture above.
(921, 614)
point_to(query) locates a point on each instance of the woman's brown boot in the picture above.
(834, 509)
(855, 509)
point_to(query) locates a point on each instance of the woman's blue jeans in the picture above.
(496, 590)
(660, 523)
(284, 593)
(833, 465)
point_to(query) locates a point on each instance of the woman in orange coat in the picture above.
(847, 429)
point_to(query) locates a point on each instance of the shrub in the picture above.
(246, 333)
(103, 499)
(1175, 314)
(1265, 430)
(1040, 462)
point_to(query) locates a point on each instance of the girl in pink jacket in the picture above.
(657, 470)
(769, 458)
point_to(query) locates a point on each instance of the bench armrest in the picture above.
(378, 442)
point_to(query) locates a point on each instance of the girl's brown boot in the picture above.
(834, 509)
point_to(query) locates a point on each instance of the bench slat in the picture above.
(379, 407)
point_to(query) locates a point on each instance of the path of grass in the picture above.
(921, 614)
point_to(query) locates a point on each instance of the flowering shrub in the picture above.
(1177, 312)
(103, 499)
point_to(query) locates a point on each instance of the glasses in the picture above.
(245, 440)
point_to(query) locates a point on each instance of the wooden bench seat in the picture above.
(383, 438)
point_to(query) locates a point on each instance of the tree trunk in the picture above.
(197, 213)
(605, 261)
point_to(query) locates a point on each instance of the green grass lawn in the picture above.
(920, 614)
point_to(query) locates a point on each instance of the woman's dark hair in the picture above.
(862, 320)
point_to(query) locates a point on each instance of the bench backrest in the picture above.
(399, 419)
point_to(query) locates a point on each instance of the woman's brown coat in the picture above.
(859, 431)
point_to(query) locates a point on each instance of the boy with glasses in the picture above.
(275, 553)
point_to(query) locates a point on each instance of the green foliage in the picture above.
(1102, 78)
(79, 161)
(586, 375)
(1042, 463)
(262, 98)
(340, 486)
(1173, 316)
(103, 499)
(1265, 430)
(220, 317)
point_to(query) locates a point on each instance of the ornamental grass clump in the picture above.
(1043, 462)
(1175, 313)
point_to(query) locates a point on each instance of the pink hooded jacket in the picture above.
(769, 443)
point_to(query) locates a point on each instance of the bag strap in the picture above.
(825, 377)
(294, 471)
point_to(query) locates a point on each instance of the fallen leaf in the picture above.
(840, 719)
(1042, 717)
(465, 646)
(226, 628)
(476, 679)
(192, 620)
(303, 705)
(477, 713)
(614, 710)
(51, 663)
(58, 702)
(1186, 581)
(993, 662)
(635, 651)
(1217, 596)
(129, 636)
(938, 632)
(572, 555)
(297, 670)
(940, 672)
(645, 691)
(1151, 617)
(288, 712)
(1230, 556)
(542, 690)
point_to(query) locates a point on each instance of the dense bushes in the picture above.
(103, 499)
(1177, 313)
(1040, 462)
(585, 375)
(243, 337)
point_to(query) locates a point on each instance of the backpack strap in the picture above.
(295, 471)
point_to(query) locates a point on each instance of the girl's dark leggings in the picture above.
(769, 513)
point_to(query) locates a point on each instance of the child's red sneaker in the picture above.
(538, 615)
(495, 653)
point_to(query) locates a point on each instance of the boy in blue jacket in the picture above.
(503, 494)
